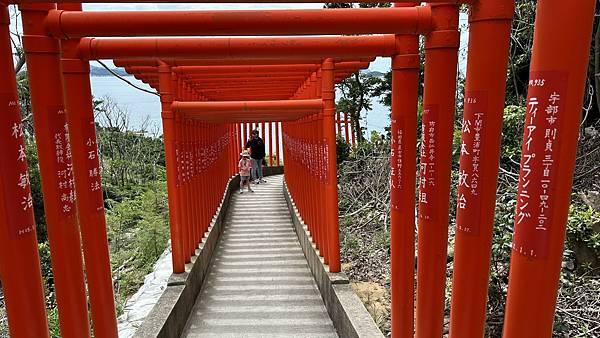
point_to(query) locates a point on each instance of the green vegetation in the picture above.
(138, 234)
(364, 201)
(364, 210)
(134, 186)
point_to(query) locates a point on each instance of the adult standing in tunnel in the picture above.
(256, 145)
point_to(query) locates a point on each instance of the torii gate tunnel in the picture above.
(214, 89)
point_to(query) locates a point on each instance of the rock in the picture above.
(586, 257)
(591, 131)
(592, 199)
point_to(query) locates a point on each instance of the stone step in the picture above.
(259, 283)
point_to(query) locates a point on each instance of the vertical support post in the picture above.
(248, 131)
(405, 94)
(338, 123)
(489, 36)
(186, 186)
(169, 137)
(346, 128)
(277, 141)
(21, 278)
(271, 143)
(556, 86)
(244, 137)
(331, 199)
(56, 170)
(88, 183)
(181, 180)
(353, 132)
(439, 101)
(197, 182)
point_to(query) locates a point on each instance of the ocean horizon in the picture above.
(144, 108)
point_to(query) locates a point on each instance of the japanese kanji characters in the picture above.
(427, 167)
(473, 131)
(15, 176)
(538, 164)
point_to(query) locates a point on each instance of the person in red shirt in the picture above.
(245, 166)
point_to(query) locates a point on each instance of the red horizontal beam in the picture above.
(246, 106)
(235, 76)
(246, 69)
(249, 79)
(242, 48)
(245, 116)
(221, 62)
(236, 86)
(74, 24)
(265, 68)
(231, 76)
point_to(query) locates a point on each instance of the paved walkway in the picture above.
(259, 284)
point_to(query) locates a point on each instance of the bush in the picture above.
(343, 150)
(583, 238)
(138, 233)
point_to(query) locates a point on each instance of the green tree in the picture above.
(356, 96)
(357, 90)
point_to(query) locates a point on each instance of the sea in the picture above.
(144, 108)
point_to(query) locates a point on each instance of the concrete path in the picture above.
(259, 284)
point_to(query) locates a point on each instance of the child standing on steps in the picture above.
(245, 166)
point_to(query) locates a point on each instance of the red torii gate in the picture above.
(68, 152)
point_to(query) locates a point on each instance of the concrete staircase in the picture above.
(259, 283)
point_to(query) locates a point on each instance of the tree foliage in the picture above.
(133, 173)
(356, 96)
(357, 90)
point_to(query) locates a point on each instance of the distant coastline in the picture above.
(101, 72)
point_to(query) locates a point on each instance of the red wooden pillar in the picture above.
(201, 173)
(169, 137)
(489, 36)
(244, 135)
(56, 170)
(339, 123)
(346, 128)
(248, 132)
(239, 138)
(557, 81)
(182, 184)
(263, 130)
(188, 187)
(271, 143)
(353, 132)
(441, 55)
(328, 89)
(21, 278)
(277, 141)
(319, 166)
(88, 183)
(405, 91)
(198, 191)
(234, 149)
